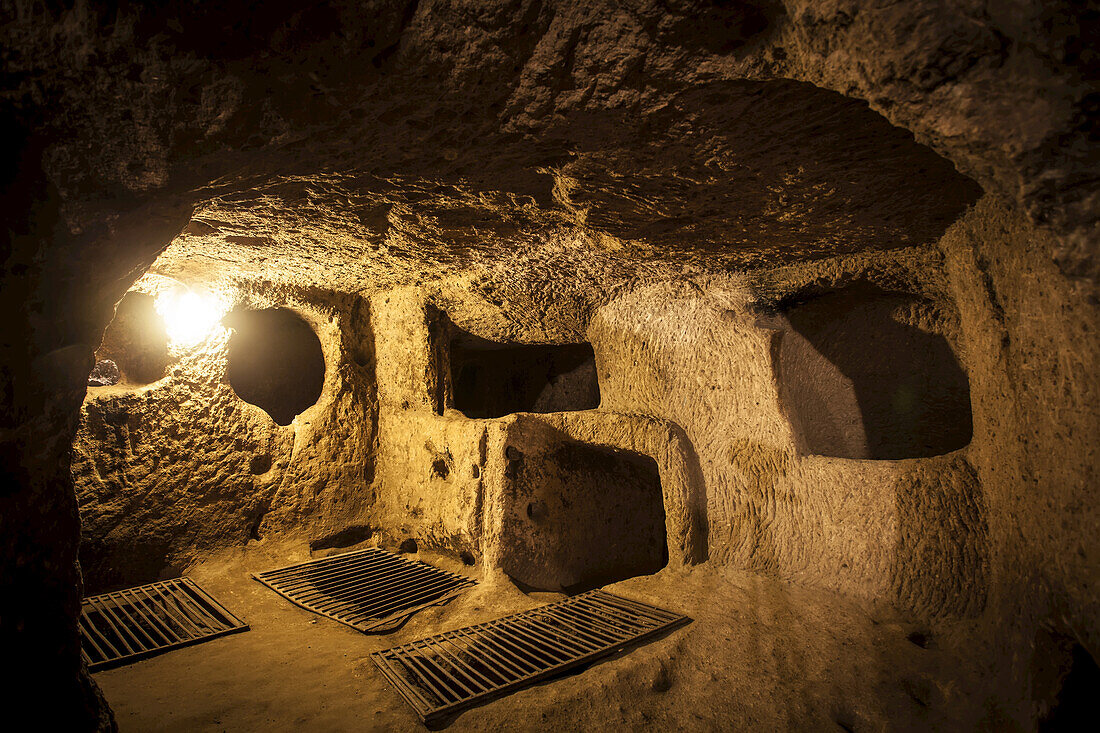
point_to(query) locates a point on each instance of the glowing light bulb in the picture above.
(188, 316)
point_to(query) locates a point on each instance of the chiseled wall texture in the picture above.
(908, 531)
(1030, 346)
(486, 140)
(167, 472)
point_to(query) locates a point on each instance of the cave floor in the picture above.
(759, 654)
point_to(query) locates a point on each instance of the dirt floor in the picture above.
(758, 654)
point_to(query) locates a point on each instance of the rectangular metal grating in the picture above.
(128, 625)
(448, 672)
(366, 589)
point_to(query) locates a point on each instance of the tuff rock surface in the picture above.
(662, 180)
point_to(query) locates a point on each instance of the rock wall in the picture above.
(1030, 343)
(695, 381)
(710, 361)
(415, 140)
(169, 472)
(453, 483)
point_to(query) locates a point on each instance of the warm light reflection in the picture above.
(189, 317)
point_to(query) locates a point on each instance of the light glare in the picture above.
(188, 316)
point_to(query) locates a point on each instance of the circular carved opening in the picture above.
(135, 342)
(275, 362)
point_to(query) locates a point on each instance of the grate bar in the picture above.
(179, 612)
(416, 698)
(152, 606)
(569, 622)
(598, 617)
(473, 687)
(334, 574)
(106, 615)
(449, 672)
(365, 589)
(616, 617)
(598, 636)
(631, 607)
(462, 652)
(89, 632)
(377, 597)
(515, 642)
(353, 588)
(399, 600)
(363, 604)
(150, 616)
(436, 686)
(577, 645)
(510, 651)
(135, 623)
(595, 625)
(522, 638)
(514, 670)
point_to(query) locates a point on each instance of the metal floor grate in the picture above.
(448, 672)
(366, 589)
(128, 625)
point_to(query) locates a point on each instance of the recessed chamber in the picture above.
(583, 516)
(491, 380)
(275, 362)
(866, 373)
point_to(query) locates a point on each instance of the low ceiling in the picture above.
(725, 175)
(358, 145)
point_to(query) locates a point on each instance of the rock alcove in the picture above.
(782, 315)
(274, 362)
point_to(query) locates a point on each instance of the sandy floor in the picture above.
(759, 654)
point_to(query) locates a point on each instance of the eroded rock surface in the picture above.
(659, 180)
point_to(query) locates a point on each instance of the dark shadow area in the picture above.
(136, 341)
(107, 567)
(863, 375)
(275, 362)
(584, 516)
(492, 380)
(346, 537)
(1077, 706)
(644, 179)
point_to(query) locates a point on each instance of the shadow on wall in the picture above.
(1065, 681)
(275, 361)
(865, 373)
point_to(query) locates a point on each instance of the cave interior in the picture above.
(779, 315)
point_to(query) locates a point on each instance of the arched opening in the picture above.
(134, 350)
(866, 373)
(275, 362)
